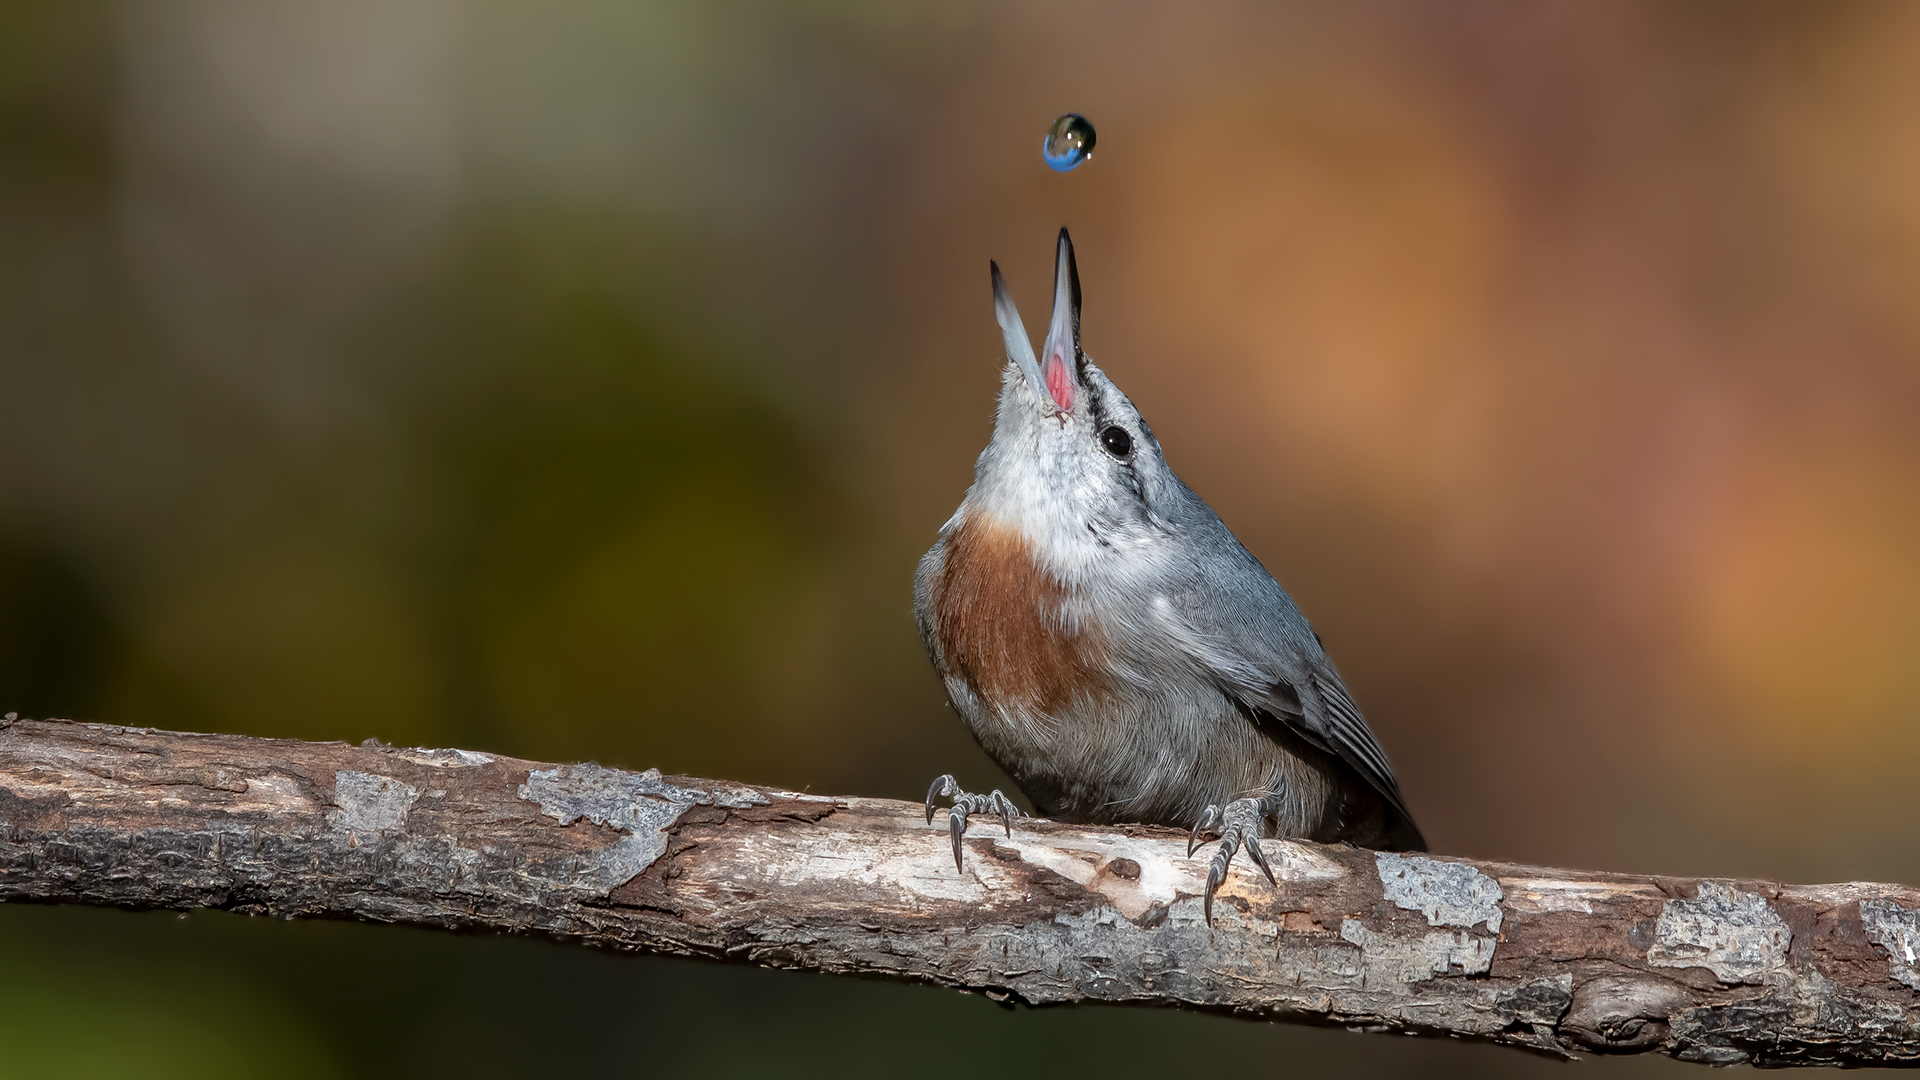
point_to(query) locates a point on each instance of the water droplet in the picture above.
(1069, 142)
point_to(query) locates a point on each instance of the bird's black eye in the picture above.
(1117, 441)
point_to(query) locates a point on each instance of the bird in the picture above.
(1115, 649)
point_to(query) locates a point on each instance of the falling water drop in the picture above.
(1069, 142)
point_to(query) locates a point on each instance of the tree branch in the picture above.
(1554, 960)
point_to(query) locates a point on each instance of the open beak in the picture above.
(1054, 376)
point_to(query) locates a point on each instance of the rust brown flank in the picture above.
(998, 626)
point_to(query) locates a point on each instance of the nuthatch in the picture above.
(1115, 649)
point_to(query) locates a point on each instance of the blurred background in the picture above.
(582, 381)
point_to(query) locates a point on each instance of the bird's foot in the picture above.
(1238, 823)
(965, 804)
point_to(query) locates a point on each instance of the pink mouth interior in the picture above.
(1059, 383)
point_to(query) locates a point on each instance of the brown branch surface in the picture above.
(1554, 960)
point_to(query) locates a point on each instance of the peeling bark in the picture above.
(1556, 961)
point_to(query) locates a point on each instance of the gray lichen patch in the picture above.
(627, 801)
(443, 758)
(642, 805)
(1895, 928)
(1736, 935)
(1401, 960)
(368, 806)
(1253, 964)
(1447, 893)
(611, 796)
(729, 796)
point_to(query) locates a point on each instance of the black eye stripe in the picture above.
(1115, 440)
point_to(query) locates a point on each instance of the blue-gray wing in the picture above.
(1263, 651)
(1341, 729)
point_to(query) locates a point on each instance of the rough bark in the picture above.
(1557, 961)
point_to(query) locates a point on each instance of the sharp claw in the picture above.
(1239, 826)
(1207, 818)
(957, 824)
(1260, 860)
(1216, 874)
(964, 805)
(938, 789)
